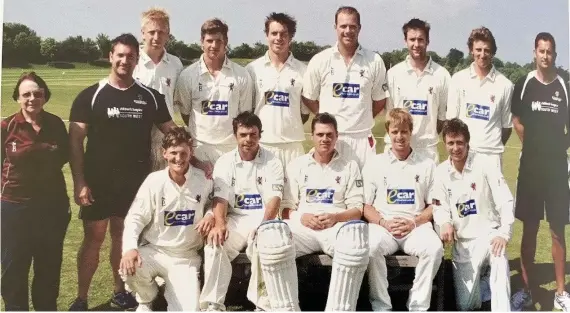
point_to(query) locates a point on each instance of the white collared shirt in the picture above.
(484, 105)
(164, 214)
(331, 188)
(398, 188)
(248, 185)
(475, 202)
(162, 76)
(344, 91)
(277, 98)
(212, 102)
(423, 96)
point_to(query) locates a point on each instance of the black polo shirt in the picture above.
(543, 111)
(119, 125)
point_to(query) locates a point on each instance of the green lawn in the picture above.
(65, 84)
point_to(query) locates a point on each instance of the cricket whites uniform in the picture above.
(542, 183)
(162, 77)
(117, 157)
(347, 93)
(485, 106)
(401, 189)
(479, 206)
(332, 188)
(212, 103)
(247, 186)
(277, 102)
(424, 97)
(163, 218)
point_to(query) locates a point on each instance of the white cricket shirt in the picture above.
(344, 91)
(475, 201)
(277, 98)
(248, 185)
(331, 188)
(164, 214)
(398, 188)
(484, 105)
(162, 76)
(424, 96)
(212, 103)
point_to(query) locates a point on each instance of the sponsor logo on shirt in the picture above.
(179, 218)
(556, 96)
(400, 196)
(113, 112)
(139, 100)
(544, 106)
(249, 202)
(214, 107)
(277, 98)
(123, 112)
(345, 90)
(320, 195)
(467, 208)
(416, 107)
(478, 111)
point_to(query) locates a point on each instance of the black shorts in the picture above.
(543, 187)
(113, 193)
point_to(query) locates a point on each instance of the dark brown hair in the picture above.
(35, 78)
(455, 127)
(176, 137)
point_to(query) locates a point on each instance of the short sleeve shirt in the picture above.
(543, 111)
(345, 91)
(119, 124)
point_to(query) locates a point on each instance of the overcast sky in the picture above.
(514, 23)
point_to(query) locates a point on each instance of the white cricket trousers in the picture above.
(286, 152)
(422, 242)
(470, 258)
(217, 259)
(179, 273)
(357, 146)
(210, 152)
(429, 152)
(490, 159)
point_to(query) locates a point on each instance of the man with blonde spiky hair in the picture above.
(157, 69)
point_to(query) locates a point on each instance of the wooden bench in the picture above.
(398, 260)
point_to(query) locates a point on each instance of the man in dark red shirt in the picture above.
(35, 206)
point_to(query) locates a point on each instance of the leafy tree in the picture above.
(242, 51)
(454, 57)
(104, 44)
(48, 49)
(21, 44)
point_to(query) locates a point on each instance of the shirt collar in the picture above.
(490, 76)
(145, 58)
(468, 164)
(257, 159)
(336, 156)
(393, 158)
(21, 119)
(359, 50)
(204, 68)
(267, 59)
(428, 68)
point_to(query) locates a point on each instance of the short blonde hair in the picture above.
(397, 117)
(157, 15)
(214, 26)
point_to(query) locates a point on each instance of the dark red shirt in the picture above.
(32, 162)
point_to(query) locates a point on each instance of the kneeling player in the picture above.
(326, 190)
(397, 187)
(163, 216)
(474, 208)
(248, 180)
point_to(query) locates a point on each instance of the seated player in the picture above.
(397, 187)
(473, 207)
(324, 191)
(248, 185)
(166, 217)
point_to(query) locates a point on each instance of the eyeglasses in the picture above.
(36, 94)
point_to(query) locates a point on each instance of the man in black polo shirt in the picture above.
(541, 120)
(116, 115)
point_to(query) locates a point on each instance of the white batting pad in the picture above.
(277, 257)
(351, 256)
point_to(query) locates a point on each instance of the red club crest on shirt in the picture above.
(430, 90)
(473, 186)
(168, 82)
(492, 98)
(337, 179)
(417, 178)
(259, 180)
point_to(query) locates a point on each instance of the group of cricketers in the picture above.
(238, 178)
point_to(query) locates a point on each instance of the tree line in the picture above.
(22, 46)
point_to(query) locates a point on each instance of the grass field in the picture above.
(66, 84)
